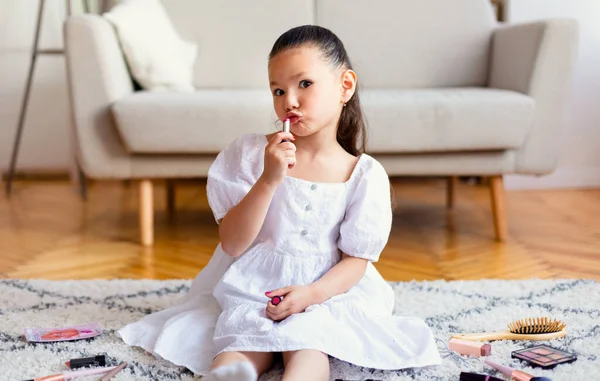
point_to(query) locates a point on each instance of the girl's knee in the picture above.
(225, 358)
(306, 365)
(306, 375)
(306, 355)
(261, 361)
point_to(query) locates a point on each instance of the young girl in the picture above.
(301, 215)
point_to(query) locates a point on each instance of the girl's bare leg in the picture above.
(304, 365)
(240, 366)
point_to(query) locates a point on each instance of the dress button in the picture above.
(313, 187)
(308, 208)
(304, 232)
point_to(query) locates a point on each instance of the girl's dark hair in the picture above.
(351, 132)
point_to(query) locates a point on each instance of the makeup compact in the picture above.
(544, 356)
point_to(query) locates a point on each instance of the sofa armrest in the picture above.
(537, 59)
(97, 76)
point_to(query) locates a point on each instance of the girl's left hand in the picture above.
(295, 300)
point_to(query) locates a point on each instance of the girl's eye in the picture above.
(304, 84)
(278, 92)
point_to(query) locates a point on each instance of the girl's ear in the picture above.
(348, 85)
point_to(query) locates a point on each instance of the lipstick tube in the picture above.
(286, 127)
(470, 348)
(87, 362)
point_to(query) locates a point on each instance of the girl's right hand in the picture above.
(279, 156)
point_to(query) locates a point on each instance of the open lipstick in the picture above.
(286, 127)
(87, 362)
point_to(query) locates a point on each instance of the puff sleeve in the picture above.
(232, 174)
(366, 227)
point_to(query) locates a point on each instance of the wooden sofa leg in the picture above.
(170, 197)
(498, 207)
(146, 213)
(451, 191)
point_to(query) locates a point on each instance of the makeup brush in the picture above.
(516, 375)
(525, 329)
(70, 375)
(464, 376)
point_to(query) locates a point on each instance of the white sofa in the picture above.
(446, 90)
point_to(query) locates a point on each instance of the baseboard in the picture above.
(562, 178)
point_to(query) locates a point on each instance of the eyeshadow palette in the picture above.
(544, 356)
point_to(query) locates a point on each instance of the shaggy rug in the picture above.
(448, 307)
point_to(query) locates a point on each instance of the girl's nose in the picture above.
(291, 102)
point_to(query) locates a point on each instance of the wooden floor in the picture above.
(47, 231)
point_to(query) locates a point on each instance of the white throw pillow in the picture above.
(158, 58)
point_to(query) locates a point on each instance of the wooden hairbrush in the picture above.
(525, 329)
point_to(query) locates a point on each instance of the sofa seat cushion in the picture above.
(457, 119)
(399, 121)
(191, 123)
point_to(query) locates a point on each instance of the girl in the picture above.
(301, 215)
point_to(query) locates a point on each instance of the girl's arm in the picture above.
(242, 223)
(364, 232)
(240, 226)
(339, 279)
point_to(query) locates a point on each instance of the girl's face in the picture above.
(308, 90)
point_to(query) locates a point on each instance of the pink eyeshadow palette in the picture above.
(544, 356)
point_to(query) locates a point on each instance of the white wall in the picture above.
(45, 142)
(579, 164)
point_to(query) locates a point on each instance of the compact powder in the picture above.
(542, 351)
(544, 356)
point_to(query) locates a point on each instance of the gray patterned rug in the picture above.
(448, 307)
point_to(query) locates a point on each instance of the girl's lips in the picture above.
(293, 118)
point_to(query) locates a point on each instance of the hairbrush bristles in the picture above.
(536, 325)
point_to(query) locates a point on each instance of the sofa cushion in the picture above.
(424, 43)
(169, 122)
(235, 36)
(399, 121)
(157, 57)
(413, 43)
(459, 119)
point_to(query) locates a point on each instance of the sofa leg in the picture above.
(83, 185)
(170, 197)
(146, 213)
(451, 191)
(498, 207)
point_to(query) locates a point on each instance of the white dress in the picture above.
(306, 227)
